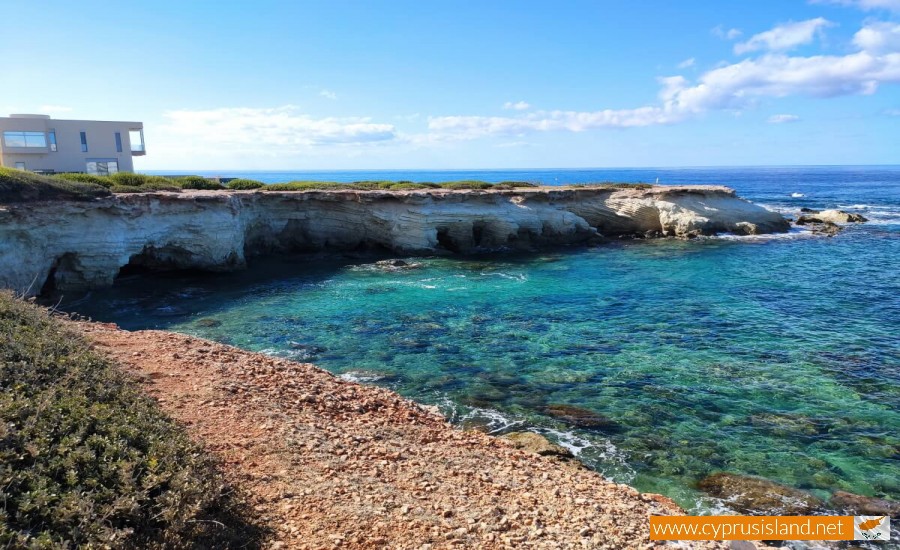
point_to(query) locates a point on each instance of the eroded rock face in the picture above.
(758, 496)
(83, 245)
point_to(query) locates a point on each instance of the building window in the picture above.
(137, 141)
(102, 167)
(118, 142)
(20, 166)
(84, 142)
(25, 139)
(52, 135)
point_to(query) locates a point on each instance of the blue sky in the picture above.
(465, 84)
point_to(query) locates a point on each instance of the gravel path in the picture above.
(329, 463)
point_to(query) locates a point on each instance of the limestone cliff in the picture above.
(81, 245)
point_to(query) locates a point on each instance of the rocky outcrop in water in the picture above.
(758, 496)
(829, 216)
(79, 245)
(864, 506)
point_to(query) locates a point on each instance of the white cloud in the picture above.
(328, 94)
(775, 75)
(878, 37)
(517, 106)
(470, 127)
(687, 63)
(726, 34)
(783, 119)
(733, 87)
(264, 131)
(784, 37)
(54, 109)
(867, 5)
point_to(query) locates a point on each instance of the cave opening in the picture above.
(49, 286)
(446, 241)
(477, 233)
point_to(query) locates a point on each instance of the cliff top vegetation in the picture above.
(21, 186)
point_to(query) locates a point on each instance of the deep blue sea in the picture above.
(769, 356)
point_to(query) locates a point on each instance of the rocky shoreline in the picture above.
(69, 245)
(329, 463)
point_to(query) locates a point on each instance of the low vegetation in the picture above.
(616, 185)
(244, 184)
(19, 186)
(198, 182)
(87, 460)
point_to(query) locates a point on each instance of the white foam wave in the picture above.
(494, 420)
(514, 276)
(361, 377)
(780, 208)
(794, 233)
(570, 441)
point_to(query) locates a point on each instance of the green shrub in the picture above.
(466, 184)
(514, 184)
(85, 178)
(22, 186)
(305, 186)
(372, 185)
(137, 180)
(146, 188)
(198, 182)
(87, 460)
(407, 186)
(244, 184)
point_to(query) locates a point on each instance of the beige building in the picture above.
(41, 144)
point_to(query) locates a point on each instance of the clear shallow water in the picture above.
(774, 357)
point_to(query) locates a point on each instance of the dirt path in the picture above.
(330, 463)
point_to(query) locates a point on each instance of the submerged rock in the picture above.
(305, 352)
(538, 444)
(759, 496)
(209, 322)
(785, 424)
(859, 505)
(582, 418)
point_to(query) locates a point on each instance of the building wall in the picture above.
(101, 141)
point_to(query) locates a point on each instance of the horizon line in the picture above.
(691, 167)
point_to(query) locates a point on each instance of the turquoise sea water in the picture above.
(777, 357)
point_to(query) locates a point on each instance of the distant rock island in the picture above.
(72, 245)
